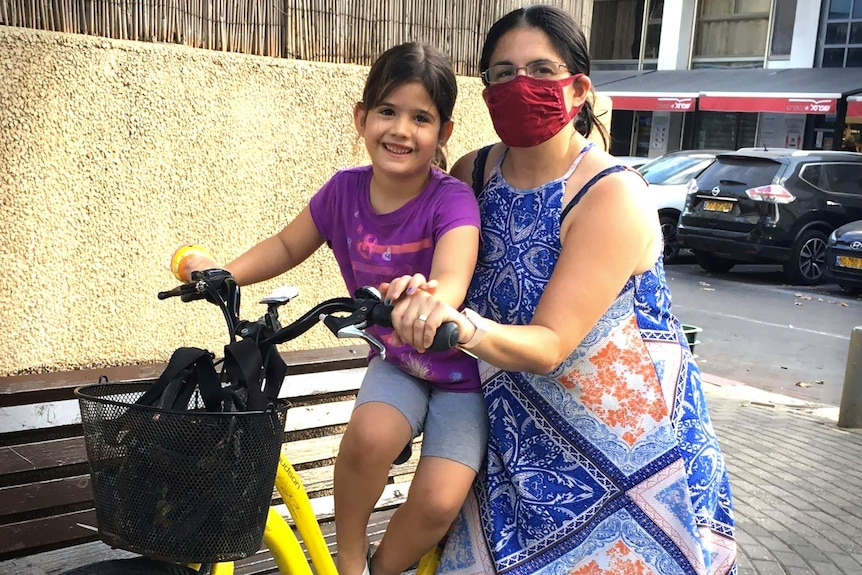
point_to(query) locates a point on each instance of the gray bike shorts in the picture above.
(454, 425)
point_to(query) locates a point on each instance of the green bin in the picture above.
(691, 332)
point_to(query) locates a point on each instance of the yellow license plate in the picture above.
(713, 206)
(848, 262)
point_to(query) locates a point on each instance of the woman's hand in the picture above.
(415, 319)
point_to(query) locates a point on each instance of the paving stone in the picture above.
(824, 568)
(768, 568)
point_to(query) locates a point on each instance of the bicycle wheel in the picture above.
(133, 566)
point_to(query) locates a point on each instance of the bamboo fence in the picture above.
(343, 31)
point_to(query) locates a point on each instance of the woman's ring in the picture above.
(422, 317)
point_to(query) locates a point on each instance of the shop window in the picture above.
(620, 28)
(725, 130)
(783, 20)
(622, 126)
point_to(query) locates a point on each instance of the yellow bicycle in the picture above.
(183, 468)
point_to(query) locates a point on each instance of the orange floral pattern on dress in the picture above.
(621, 560)
(609, 393)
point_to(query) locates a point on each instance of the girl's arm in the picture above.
(609, 237)
(274, 255)
(454, 261)
(451, 269)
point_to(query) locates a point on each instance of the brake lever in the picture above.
(353, 326)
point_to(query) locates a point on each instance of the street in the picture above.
(759, 331)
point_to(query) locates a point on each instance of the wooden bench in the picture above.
(46, 505)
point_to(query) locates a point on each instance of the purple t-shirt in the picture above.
(373, 248)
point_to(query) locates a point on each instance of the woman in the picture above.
(601, 455)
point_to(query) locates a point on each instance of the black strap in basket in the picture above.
(244, 366)
(190, 368)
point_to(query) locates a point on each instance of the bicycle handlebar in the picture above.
(366, 309)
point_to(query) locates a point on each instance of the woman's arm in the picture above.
(608, 238)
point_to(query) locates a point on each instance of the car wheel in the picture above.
(712, 263)
(668, 233)
(808, 259)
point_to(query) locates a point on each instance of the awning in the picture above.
(785, 91)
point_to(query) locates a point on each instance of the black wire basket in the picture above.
(186, 486)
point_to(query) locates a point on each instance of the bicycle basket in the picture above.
(187, 486)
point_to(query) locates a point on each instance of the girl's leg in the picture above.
(437, 492)
(376, 434)
(454, 446)
(389, 412)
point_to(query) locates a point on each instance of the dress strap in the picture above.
(479, 169)
(578, 159)
(574, 201)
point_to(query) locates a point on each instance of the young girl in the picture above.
(397, 216)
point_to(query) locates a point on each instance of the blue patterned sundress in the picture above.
(609, 464)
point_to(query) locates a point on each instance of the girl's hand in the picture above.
(406, 285)
(191, 258)
(415, 320)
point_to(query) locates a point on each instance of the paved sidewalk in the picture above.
(796, 480)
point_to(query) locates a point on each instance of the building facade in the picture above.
(726, 74)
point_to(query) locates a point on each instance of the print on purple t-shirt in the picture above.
(373, 248)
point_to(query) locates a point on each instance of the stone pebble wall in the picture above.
(113, 153)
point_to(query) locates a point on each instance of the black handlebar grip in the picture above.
(446, 337)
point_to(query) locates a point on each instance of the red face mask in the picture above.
(527, 111)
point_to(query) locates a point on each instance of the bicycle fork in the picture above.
(279, 537)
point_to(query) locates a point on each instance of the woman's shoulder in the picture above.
(463, 168)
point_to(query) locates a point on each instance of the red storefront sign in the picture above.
(777, 104)
(854, 107)
(653, 103)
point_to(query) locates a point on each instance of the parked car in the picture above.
(844, 257)
(668, 177)
(633, 162)
(771, 206)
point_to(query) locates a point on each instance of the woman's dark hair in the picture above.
(566, 37)
(413, 62)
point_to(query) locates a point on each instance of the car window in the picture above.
(670, 170)
(844, 178)
(739, 171)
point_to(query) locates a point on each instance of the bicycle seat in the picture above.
(281, 295)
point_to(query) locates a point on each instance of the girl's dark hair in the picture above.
(412, 62)
(567, 38)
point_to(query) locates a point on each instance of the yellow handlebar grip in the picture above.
(182, 253)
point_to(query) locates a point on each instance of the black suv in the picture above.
(771, 206)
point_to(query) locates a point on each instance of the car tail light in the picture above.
(692, 186)
(773, 193)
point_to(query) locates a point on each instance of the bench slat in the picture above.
(48, 531)
(45, 495)
(42, 455)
